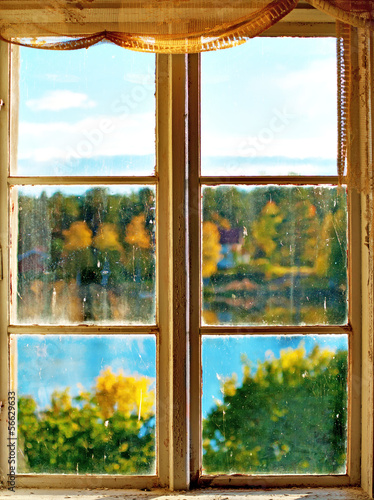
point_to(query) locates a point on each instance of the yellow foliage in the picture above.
(290, 359)
(77, 237)
(129, 395)
(107, 238)
(322, 260)
(265, 228)
(271, 208)
(211, 248)
(136, 234)
(293, 364)
(61, 401)
(312, 211)
(209, 317)
(224, 223)
(229, 386)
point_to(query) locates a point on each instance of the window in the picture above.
(84, 195)
(102, 230)
(256, 305)
(272, 268)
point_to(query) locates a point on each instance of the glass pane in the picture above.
(272, 111)
(85, 255)
(86, 404)
(275, 404)
(274, 255)
(85, 112)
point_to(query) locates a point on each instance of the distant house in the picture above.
(231, 241)
(34, 260)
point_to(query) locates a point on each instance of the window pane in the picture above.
(86, 404)
(86, 112)
(275, 404)
(274, 255)
(272, 111)
(85, 255)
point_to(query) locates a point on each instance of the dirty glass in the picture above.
(85, 404)
(273, 109)
(84, 112)
(274, 255)
(86, 254)
(275, 404)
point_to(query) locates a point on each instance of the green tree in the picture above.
(110, 430)
(287, 416)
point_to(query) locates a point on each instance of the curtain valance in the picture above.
(172, 26)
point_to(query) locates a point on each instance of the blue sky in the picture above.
(85, 104)
(50, 362)
(270, 98)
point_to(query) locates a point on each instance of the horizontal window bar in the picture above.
(85, 481)
(82, 330)
(275, 330)
(242, 480)
(15, 181)
(271, 179)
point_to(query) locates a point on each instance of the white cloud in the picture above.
(56, 78)
(140, 78)
(313, 89)
(93, 136)
(321, 146)
(320, 72)
(58, 100)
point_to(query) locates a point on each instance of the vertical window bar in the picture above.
(194, 209)
(4, 357)
(171, 132)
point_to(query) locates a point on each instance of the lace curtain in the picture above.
(172, 26)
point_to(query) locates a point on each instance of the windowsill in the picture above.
(206, 494)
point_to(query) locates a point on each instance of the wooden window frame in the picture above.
(178, 247)
(197, 331)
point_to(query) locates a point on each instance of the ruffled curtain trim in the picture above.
(219, 36)
(357, 13)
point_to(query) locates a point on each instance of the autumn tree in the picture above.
(265, 229)
(77, 253)
(136, 234)
(140, 252)
(109, 430)
(211, 248)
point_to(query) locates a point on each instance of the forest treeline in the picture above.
(272, 254)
